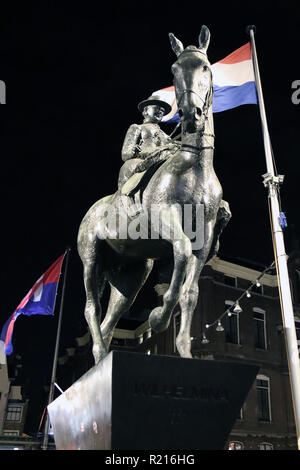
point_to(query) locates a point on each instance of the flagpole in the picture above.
(271, 181)
(53, 377)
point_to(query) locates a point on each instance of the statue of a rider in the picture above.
(146, 144)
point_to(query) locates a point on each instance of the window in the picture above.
(263, 398)
(176, 328)
(265, 446)
(240, 414)
(260, 339)
(257, 289)
(297, 326)
(230, 280)
(10, 432)
(235, 445)
(232, 328)
(14, 413)
(232, 333)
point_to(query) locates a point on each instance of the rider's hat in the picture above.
(154, 100)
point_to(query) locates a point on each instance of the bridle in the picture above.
(207, 104)
(208, 98)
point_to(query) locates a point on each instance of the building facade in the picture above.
(13, 409)
(251, 333)
(15, 413)
(4, 385)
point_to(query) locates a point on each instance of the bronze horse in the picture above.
(187, 178)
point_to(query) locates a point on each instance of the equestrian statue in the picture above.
(169, 177)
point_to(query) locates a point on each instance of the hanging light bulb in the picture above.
(219, 326)
(257, 283)
(248, 294)
(237, 308)
(229, 313)
(204, 339)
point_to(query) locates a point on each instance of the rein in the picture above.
(194, 149)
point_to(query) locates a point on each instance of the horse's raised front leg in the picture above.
(159, 318)
(189, 295)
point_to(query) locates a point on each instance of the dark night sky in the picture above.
(74, 77)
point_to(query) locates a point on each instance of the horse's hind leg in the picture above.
(189, 294)
(125, 284)
(188, 300)
(159, 318)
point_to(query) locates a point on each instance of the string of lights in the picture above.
(235, 307)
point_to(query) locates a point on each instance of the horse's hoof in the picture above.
(99, 353)
(156, 320)
(107, 337)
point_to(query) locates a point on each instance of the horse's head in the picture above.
(192, 81)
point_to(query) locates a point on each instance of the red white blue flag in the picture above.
(40, 300)
(234, 81)
(233, 84)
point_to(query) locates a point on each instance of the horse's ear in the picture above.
(204, 38)
(177, 45)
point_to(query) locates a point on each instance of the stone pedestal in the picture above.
(134, 401)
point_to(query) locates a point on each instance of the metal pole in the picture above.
(272, 181)
(53, 377)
